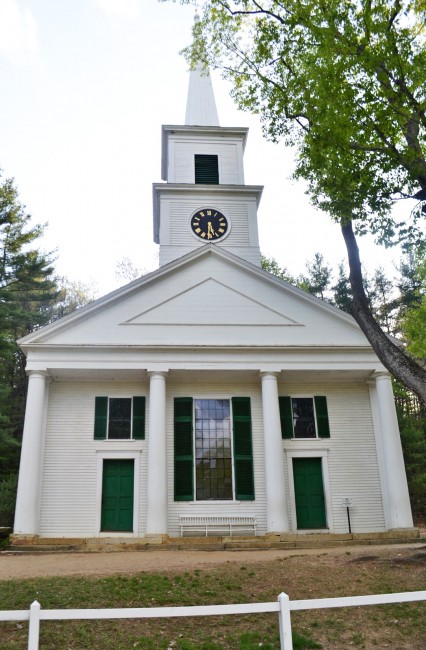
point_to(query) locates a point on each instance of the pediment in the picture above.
(210, 302)
(208, 298)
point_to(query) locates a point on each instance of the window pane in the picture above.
(119, 422)
(303, 417)
(213, 466)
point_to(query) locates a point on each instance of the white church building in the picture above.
(208, 397)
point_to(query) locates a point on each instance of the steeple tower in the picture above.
(204, 200)
(201, 106)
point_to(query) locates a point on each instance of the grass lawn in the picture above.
(401, 627)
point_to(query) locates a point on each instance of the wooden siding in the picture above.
(180, 212)
(351, 453)
(71, 458)
(182, 161)
(71, 455)
(131, 320)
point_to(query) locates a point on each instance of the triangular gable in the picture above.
(206, 298)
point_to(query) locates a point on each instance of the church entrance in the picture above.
(117, 495)
(309, 493)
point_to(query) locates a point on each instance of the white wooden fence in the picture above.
(283, 606)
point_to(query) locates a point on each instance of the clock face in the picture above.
(209, 224)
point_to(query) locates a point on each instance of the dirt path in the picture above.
(18, 566)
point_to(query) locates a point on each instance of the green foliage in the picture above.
(342, 292)
(26, 294)
(8, 485)
(413, 323)
(71, 296)
(343, 82)
(413, 437)
(271, 265)
(318, 278)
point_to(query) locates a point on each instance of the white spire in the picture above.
(201, 105)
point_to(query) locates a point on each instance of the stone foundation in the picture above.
(163, 542)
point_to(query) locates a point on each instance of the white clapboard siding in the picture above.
(351, 454)
(180, 213)
(71, 458)
(71, 455)
(229, 170)
(310, 323)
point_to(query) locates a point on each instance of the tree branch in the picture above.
(402, 366)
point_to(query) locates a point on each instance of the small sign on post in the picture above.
(347, 503)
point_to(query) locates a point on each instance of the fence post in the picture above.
(34, 628)
(286, 640)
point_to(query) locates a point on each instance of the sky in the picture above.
(86, 86)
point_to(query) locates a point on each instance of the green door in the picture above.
(117, 495)
(309, 493)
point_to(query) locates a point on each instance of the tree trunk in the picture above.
(392, 356)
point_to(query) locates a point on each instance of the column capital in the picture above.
(42, 374)
(381, 374)
(269, 374)
(157, 373)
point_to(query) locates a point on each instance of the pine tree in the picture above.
(27, 292)
(318, 278)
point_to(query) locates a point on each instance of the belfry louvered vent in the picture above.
(206, 169)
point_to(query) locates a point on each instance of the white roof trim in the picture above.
(172, 267)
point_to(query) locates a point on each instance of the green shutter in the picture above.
(138, 427)
(206, 169)
(322, 416)
(183, 449)
(243, 453)
(286, 417)
(101, 416)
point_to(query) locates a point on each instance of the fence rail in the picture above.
(283, 606)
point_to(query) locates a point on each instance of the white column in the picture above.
(397, 498)
(27, 512)
(156, 514)
(276, 502)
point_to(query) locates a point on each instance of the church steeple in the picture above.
(204, 200)
(201, 106)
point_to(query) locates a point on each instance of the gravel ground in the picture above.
(15, 566)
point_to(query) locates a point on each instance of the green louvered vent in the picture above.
(206, 169)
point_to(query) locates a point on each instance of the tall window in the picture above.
(206, 169)
(213, 453)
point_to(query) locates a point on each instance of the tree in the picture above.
(382, 304)
(318, 278)
(414, 320)
(71, 296)
(271, 265)
(345, 84)
(342, 293)
(26, 294)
